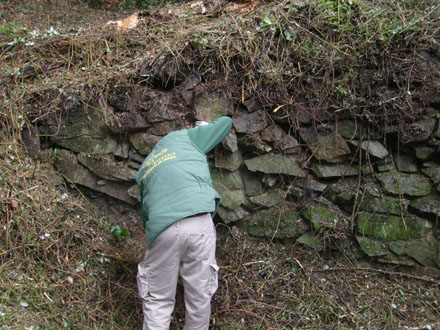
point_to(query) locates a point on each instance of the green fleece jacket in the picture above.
(174, 179)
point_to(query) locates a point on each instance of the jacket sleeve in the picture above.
(207, 137)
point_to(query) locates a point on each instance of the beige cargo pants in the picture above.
(186, 248)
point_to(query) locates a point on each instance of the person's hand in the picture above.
(201, 123)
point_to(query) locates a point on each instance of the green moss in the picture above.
(426, 252)
(391, 227)
(384, 204)
(319, 215)
(372, 247)
(309, 240)
(278, 222)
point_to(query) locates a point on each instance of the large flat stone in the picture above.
(230, 161)
(81, 139)
(374, 148)
(424, 152)
(396, 183)
(229, 216)
(425, 251)
(275, 164)
(323, 216)
(383, 204)
(67, 164)
(333, 171)
(250, 123)
(144, 142)
(432, 170)
(406, 163)
(252, 143)
(417, 132)
(210, 106)
(427, 204)
(281, 140)
(83, 130)
(392, 228)
(126, 122)
(277, 222)
(372, 247)
(252, 183)
(330, 148)
(106, 167)
(230, 187)
(268, 199)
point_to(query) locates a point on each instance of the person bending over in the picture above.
(178, 202)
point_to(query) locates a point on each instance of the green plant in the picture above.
(119, 232)
(12, 29)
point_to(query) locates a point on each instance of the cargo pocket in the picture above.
(213, 279)
(143, 282)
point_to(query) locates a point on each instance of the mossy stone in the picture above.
(225, 180)
(406, 163)
(398, 247)
(229, 215)
(396, 183)
(311, 241)
(252, 144)
(230, 161)
(425, 251)
(268, 199)
(210, 107)
(279, 138)
(275, 164)
(384, 204)
(250, 123)
(349, 129)
(143, 142)
(427, 204)
(374, 148)
(321, 216)
(310, 183)
(326, 171)
(424, 152)
(278, 222)
(386, 165)
(86, 132)
(432, 170)
(106, 167)
(67, 164)
(342, 192)
(252, 184)
(391, 227)
(329, 148)
(230, 187)
(372, 247)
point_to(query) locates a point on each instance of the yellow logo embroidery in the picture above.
(157, 159)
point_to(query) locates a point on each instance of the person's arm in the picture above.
(207, 137)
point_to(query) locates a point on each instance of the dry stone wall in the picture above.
(280, 176)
